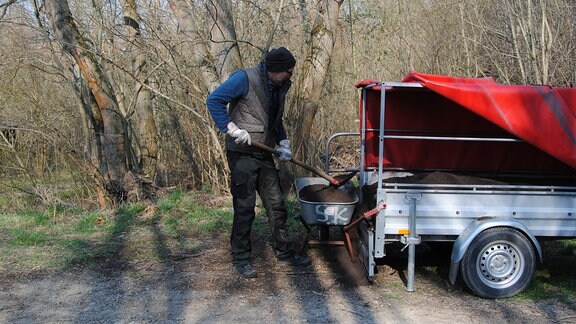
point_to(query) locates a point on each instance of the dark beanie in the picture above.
(279, 60)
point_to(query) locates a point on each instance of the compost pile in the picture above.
(436, 177)
(324, 193)
(443, 178)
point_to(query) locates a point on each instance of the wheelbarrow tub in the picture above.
(326, 212)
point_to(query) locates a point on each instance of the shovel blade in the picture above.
(342, 179)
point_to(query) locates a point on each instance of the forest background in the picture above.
(102, 101)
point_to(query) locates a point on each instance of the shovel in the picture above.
(336, 182)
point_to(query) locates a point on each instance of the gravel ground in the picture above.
(202, 288)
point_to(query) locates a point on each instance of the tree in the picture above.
(90, 106)
(107, 120)
(148, 137)
(314, 72)
(203, 58)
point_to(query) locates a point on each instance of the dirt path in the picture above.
(201, 288)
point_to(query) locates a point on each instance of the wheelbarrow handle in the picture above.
(366, 215)
(310, 168)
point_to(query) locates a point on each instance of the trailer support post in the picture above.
(413, 239)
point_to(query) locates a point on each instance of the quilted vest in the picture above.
(252, 112)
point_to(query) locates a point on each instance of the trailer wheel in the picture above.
(500, 262)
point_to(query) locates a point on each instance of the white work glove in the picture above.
(241, 136)
(284, 149)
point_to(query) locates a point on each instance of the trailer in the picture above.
(490, 168)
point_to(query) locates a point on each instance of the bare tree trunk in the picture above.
(274, 26)
(200, 51)
(107, 113)
(546, 43)
(148, 138)
(314, 72)
(203, 59)
(224, 46)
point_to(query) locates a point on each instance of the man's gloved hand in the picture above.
(241, 135)
(284, 149)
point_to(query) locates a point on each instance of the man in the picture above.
(255, 100)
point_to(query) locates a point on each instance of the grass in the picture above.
(25, 237)
(554, 279)
(60, 237)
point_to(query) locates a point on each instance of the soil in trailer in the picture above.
(324, 193)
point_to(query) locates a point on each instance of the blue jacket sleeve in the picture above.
(231, 90)
(281, 131)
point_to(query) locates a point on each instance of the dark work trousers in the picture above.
(253, 173)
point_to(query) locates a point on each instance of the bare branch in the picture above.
(4, 7)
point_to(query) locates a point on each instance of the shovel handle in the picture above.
(310, 168)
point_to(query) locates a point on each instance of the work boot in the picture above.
(295, 261)
(245, 270)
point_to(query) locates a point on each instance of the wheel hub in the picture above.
(499, 264)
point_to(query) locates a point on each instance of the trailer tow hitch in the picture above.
(366, 215)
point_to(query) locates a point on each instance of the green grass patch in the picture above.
(554, 279)
(171, 201)
(187, 216)
(78, 248)
(91, 222)
(58, 237)
(566, 247)
(19, 236)
(39, 219)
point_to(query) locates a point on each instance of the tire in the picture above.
(500, 262)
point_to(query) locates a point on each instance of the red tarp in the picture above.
(542, 116)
